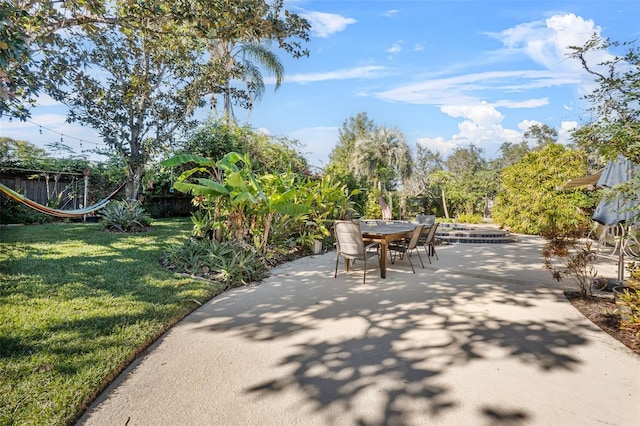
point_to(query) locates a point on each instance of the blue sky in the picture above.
(445, 73)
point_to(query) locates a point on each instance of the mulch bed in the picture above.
(599, 310)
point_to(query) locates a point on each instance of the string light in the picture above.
(62, 135)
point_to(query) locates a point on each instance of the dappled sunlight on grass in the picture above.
(77, 304)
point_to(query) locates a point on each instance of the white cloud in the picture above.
(525, 125)
(547, 41)
(439, 144)
(418, 47)
(395, 48)
(564, 133)
(369, 71)
(324, 24)
(464, 89)
(390, 13)
(481, 126)
(482, 115)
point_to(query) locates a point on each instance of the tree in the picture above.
(382, 157)
(243, 61)
(22, 153)
(614, 106)
(511, 153)
(57, 32)
(541, 135)
(614, 102)
(423, 188)
(217, 137)
(156, 73)
(528, 200)
(341, 157)
(139, 98)
(469, 186)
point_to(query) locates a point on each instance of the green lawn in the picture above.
(76, 306)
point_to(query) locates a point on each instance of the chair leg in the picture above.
(364, 276)
(411, 263)
(426, 250)
(433, 250)
(420, 257)
(337, 260)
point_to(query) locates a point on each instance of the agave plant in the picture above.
(125, 217)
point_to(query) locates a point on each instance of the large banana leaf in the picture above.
(197, 189)
(292, 209)
(187, 158)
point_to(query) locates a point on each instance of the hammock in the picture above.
(16, 196)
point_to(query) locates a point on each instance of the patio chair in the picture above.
(350, 245)
(428, 241)
(406, 246)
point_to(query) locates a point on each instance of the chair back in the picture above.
(349, 238)
(415, 237)
(432, 233)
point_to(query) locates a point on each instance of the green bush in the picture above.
(529, 200)
(13, 212)
(125, 217)
(469, 218)
(226, 263)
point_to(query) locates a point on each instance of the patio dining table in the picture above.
(384, 232)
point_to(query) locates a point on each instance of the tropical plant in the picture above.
(224, 262)
(469, 218)
(124, 216)
(383, 157)
(237, 205)
(242, 61)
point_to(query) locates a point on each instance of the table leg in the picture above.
(383, 259)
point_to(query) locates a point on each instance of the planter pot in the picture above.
(317, 247)
(605, 284)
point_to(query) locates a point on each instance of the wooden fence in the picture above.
(57, 189)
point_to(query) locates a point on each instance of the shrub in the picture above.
(13, 212)
(469, 218)
(575, 256)
(125, 217)
(226, 263)
(528, 201)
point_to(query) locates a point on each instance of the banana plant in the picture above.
(280, 197)
(230, 182)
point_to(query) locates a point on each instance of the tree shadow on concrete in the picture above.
(401, 336)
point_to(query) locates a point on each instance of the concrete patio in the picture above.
(482, 336)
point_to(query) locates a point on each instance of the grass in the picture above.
(77, 305)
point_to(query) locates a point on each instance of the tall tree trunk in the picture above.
(444, 204)
(134, 181)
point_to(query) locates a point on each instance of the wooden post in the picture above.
(86, 191)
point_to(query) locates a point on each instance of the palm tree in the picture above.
(243, 62)
(382, 157)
